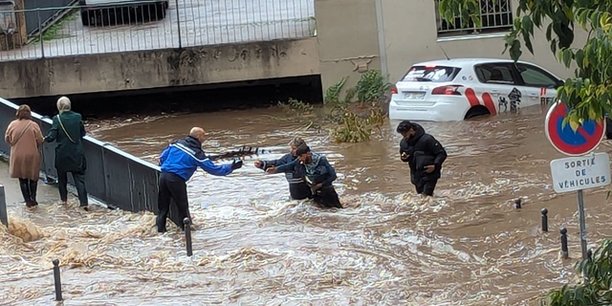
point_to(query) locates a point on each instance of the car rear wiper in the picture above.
(420, 79)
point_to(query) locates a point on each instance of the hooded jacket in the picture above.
(422, 150)
(319, 170)
(183, 157)
(295, 177)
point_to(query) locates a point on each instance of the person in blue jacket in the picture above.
(178, 162)
(318, 174)
(298, 189)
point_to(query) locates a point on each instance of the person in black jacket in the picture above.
(68, 132)
(318, 174)
(424, 155)
(298, 189)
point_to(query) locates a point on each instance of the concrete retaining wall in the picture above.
(159, 68)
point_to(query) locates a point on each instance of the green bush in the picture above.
(595, 285)
(355, 120)
(372, 87)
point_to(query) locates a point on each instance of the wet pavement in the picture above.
(254, 246)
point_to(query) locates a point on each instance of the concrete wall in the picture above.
(158, 68)
(407, 33)
(347, 39)
(411, 36)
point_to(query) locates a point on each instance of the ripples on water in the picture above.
(252, 245)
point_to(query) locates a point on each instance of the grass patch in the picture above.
(54, 31)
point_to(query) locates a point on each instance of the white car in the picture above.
(458, 89)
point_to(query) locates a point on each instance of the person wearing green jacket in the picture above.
(68, 131)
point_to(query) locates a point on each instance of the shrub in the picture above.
(355, 120)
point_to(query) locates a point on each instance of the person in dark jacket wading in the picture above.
(424, 155)
(298, 189)
(68, 131)
(318, 174)
(178, 162)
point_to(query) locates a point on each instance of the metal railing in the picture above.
(46, 16)
(154, 24)
(113, 177)
(495, 16)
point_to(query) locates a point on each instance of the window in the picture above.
(431, 74)
(536, 77)
(495, 73)
(495, 16)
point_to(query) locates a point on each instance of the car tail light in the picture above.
(393, 89)
(447, 90)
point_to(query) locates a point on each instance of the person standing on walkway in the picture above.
(298, 189)
(25, 137)
(68, 131)
(424, 155)
(178, 162)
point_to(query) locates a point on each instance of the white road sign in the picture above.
(578, 173)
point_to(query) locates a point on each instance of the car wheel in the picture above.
(477, 111)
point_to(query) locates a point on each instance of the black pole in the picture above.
(544, 220)
(517, 203)
(58, 282)
(187, 224)
(564, 251)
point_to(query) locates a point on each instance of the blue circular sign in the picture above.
(572, 142)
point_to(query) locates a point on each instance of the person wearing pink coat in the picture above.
(25, 137)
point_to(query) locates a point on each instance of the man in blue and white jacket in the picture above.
(178, 162)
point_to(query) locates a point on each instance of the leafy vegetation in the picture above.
(589, 92)
(296, 106)
(355, 120)
(53, 31)
(595, 284)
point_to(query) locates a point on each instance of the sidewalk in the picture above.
(45, 194)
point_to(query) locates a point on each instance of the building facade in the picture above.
(391, 35)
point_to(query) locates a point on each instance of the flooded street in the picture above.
(254, 246)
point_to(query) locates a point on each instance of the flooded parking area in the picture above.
(255, 246)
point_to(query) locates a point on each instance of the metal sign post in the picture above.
(578, 173)
(581, 171)
(583, 243)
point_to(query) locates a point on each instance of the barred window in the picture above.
(495, 16)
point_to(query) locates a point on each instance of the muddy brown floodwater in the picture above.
(254, 246)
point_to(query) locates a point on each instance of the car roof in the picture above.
(463, 62)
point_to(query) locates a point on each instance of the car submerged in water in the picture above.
(458, 89)
(113, 12)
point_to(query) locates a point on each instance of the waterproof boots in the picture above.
(28, 190)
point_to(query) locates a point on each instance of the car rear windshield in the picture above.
(431, 74)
